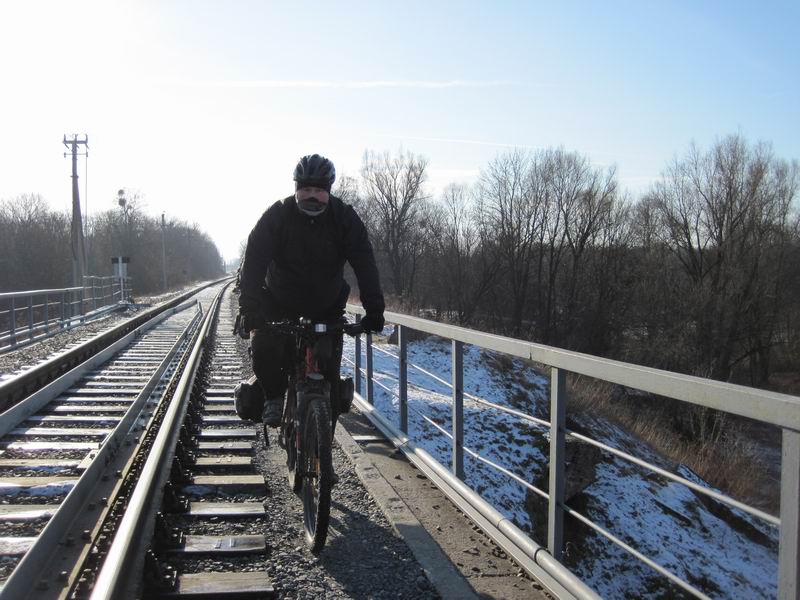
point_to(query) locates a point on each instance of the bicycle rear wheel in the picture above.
(317, 472)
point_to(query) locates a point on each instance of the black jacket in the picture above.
(301, 260)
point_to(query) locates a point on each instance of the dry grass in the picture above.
(724, 456)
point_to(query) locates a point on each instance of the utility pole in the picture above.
(78, 246)
(163, 255)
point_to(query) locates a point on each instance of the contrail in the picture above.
(457, 141)
(369, 84)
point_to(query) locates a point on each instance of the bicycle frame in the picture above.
(305, 378)
(306, 430)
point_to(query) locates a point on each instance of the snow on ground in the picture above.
(723, 552)
(45, 489)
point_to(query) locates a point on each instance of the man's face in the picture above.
(306, 193)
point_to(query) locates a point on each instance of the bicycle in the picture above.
(306, 429)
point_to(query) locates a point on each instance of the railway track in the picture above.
(130, 476)
(205, 497)
(67, 451)
(28, 379)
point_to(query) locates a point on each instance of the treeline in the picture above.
(699, 275)
(35, 247)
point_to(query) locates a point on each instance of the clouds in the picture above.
(346, 85)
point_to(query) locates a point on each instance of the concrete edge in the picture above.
(443, 575)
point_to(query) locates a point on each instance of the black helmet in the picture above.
(314, 170)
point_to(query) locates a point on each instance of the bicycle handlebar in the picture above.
(307, 326)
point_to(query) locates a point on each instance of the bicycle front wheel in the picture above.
(318, 472)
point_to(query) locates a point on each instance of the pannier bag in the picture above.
(248, 399)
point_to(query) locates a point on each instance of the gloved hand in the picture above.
(373, 322)
(249, 321)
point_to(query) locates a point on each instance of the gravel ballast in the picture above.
(363, 556)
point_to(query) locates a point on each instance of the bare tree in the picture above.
(509, 218)
(393, 191)
(33, 244)
(587, 206)
(346, 188)
(725, 217)
(460, 276)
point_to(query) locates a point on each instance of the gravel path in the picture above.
(363, 557)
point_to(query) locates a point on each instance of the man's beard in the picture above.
(311, 206)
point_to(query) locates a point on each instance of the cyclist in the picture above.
(294, 267)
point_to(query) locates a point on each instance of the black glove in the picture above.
(249, 321)
(373, 322)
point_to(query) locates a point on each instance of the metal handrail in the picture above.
(592, 442)
(768, 407)
(26, 293)
(31, 319)
(505, 409)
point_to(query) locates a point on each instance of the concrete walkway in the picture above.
(458, 558)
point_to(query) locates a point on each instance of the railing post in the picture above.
(458, 408)
(94, 297)
(63, 310)
(558, 417)
(789, 545)
(13, 322)
(370, 386)
(30, 317)
(357, 367)
(402, 342)
(46, 314)
(83, 311)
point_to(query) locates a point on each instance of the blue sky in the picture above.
(204, 107)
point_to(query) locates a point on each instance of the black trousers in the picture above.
(274, 356)
(273, 353)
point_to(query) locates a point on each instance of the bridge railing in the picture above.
(32, 315)
(772, 408)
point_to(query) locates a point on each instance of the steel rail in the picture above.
(37, 559)
(145, 495)
(21, 386)
(36, 401)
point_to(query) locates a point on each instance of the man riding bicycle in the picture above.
(294, 267)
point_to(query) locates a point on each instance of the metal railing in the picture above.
(29, 316)
(545, 563)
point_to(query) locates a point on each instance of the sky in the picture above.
(203, 108)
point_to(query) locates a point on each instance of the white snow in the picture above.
(663, 520)
(48, 489)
